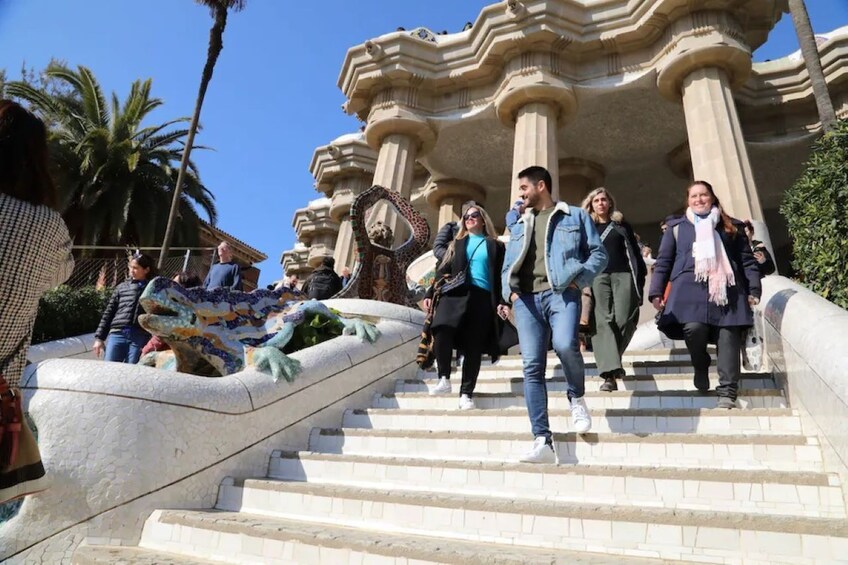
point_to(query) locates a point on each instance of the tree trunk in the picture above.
(810, 52)
(216, 45)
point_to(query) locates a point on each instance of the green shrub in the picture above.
(815, 211)
(67, 312)
(312, 332)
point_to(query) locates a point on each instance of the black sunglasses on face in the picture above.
(474, 215)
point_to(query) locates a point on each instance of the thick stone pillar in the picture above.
(400, 138)
(706, 64)
(448, 195)
(537, 104)
(342, 170)
(716, 142)
(577, 177)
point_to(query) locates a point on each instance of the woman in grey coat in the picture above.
(715, 281)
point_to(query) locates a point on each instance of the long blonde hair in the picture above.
(614, 214)
(488, 231)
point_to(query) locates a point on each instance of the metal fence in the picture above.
(105, 267)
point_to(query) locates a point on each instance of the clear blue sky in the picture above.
(273, 98)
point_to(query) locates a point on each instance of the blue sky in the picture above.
(273, 98)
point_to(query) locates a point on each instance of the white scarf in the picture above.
(711, 262)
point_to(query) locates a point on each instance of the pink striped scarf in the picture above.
(711, 263)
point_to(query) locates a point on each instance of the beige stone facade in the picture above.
(636, 95)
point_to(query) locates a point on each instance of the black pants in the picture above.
(728, 343)
(475, 329)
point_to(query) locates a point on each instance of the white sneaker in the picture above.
(466, 403)
(444, 387)
(541, 453)
(580, 418)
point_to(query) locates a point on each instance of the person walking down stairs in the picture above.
(553, 252)
(617, 291)
(715, 281)
(471, 316)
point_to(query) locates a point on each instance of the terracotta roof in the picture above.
(242, 248)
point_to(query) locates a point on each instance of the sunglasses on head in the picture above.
(472, 215)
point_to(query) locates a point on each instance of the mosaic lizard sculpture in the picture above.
(219, 332)
(381, 271)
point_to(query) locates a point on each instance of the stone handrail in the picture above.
(806, 341)
(119, 441)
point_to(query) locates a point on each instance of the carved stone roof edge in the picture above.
(492, 25)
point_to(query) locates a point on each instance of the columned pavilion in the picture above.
(637, 96)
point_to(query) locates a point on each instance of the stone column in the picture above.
(400, 138)
(577, 177)
(448, 195)
(342, 170)
(706, 64)
(537, 104)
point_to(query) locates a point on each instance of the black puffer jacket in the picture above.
(122, 310)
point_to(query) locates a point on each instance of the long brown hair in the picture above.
(726, 222)
(24, 164)
(488, 230)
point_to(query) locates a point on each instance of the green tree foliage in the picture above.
(815, 211)
(115, 175)
(68, 312)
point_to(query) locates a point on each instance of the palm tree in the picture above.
(220, 10)
(115, 176)
(810, 52)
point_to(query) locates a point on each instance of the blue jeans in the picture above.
(125, 345)
(538, 317)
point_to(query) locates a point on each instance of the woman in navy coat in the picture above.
(715, 281)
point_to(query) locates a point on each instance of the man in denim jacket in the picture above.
(553, 252)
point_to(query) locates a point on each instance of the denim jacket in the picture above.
(573, 249)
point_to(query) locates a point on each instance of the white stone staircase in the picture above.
(664, 476)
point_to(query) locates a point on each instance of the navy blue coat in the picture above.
(688, 300)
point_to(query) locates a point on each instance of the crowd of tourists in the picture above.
(564, 269)
(568, 269)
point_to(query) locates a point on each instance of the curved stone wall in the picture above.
(120, 440)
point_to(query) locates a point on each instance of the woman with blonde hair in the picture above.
(617, 291)
(469, 317)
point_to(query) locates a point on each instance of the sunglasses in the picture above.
(472, 215)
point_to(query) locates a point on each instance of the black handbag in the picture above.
(458, 280)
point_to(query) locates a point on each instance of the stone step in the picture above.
(790, 493)
(676, 354)
(591, 372)
(643, 532)
(748, 398)
(708, 451)
(123, 555)
(626, 420)
(514, 382)
(236, 537)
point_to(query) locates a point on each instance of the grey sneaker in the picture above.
(726, 402)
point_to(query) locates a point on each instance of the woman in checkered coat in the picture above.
(35, 256)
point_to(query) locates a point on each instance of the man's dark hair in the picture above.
(328, 262)
(535, 174)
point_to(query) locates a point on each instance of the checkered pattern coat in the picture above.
(35, 256)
